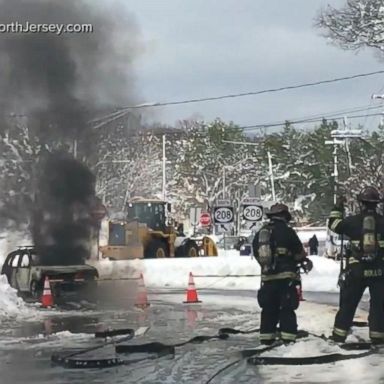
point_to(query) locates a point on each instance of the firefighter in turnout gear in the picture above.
(279, 251)
(364, 264)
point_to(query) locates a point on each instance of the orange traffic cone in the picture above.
(141, 298)
(47, 298)
(191, 291)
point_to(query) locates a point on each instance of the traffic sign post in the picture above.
(194, 217)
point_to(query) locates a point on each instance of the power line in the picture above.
(252, 127)
(252, 93)
(321, 115)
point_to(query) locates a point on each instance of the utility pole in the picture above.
(271, 176)
(339, 137)
(223, 182)
(335, 173)
(164, 170)
(379, 97)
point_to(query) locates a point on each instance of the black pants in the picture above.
(358, 279)
(313, 250)
(278, 300)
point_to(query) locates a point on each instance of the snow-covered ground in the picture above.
(225, 302)
(171, 322)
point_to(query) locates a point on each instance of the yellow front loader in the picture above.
(145, 234)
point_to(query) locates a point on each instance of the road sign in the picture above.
(223, 203)
(252, 212)
(205, 219)
(224, 228)
(250, 201)
(253, 226)
(223, 215)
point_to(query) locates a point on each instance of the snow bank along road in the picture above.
(231, 272)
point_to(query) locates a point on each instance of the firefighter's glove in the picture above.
(343, 279)
(307, 265)
(340, 201)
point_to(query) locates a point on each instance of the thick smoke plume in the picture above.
(62, 222)
(59, 83)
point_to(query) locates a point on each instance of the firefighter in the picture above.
(279, 250)
(364, 264)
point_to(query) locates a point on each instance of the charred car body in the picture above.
(26, 274)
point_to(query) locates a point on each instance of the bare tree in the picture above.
(359, 24)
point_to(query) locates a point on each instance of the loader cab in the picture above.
(150, 212)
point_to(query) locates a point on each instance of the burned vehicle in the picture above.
(26, 274)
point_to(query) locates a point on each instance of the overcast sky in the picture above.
(199, 48)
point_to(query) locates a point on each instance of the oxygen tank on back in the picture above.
(265, 251)
(368, 243)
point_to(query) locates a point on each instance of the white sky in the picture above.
(205, 48)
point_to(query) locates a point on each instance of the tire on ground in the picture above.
(156, 249)
(189, 249)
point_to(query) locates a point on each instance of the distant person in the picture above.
(279, 251)
(313, 245)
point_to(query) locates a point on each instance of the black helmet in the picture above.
(280, 210)
(369, 195)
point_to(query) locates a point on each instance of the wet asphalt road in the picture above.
(26, 345)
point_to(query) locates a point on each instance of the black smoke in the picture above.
(58, 83)
(62, 220)
(61, 81)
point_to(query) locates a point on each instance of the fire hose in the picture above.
(155, 350)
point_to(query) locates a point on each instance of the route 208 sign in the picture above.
(223, 215)
(252, 211)
(223, 212)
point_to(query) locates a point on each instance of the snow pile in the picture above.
(10, 304)
(232, 272)
(324, 275)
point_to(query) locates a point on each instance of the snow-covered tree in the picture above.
(128, 167)
(358, 24)
(201, 157)
(367, 165)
